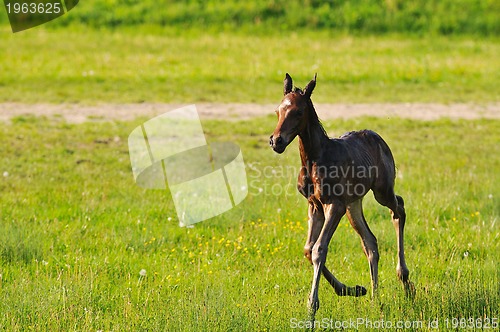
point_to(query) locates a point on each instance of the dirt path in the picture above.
(77, 113)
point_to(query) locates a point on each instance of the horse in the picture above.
(336, 174)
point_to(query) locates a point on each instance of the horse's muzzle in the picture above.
(278, 144)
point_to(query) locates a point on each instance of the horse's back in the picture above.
(370, 149)
(367, 140)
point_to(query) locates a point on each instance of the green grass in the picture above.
(76, 65)
(76, 231)
(442, 17)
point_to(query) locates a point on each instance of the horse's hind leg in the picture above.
(368, 240)
(398, 220)
(396, 205)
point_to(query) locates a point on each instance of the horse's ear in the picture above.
(310, 87)
(287, 84)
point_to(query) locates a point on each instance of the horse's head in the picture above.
(292, 114)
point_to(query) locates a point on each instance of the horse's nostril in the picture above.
(275, 141)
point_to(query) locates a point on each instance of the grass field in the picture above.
(82, 248)
(419, 17)
(78, 65)
(77, 231)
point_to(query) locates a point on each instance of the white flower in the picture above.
(5, 174)
(142, 273)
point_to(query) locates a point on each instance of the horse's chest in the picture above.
(322, 182)
(311, 180)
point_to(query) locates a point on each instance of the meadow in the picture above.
(83, 248)
(77, 231)
(76, 65)
(208, 51)
(419, 17)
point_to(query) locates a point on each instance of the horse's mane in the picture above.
(315, 117)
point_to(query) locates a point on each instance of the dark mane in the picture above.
(315, 118)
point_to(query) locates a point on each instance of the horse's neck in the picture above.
(311, 141)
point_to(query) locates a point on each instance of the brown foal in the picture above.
(336, 174)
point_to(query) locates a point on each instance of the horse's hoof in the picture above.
(360, 291)
(410, 289)
(354, 291)
(313, 305)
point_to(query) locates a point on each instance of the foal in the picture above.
(335, 176)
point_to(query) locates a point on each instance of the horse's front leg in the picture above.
(315, 224)
(333, 214)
